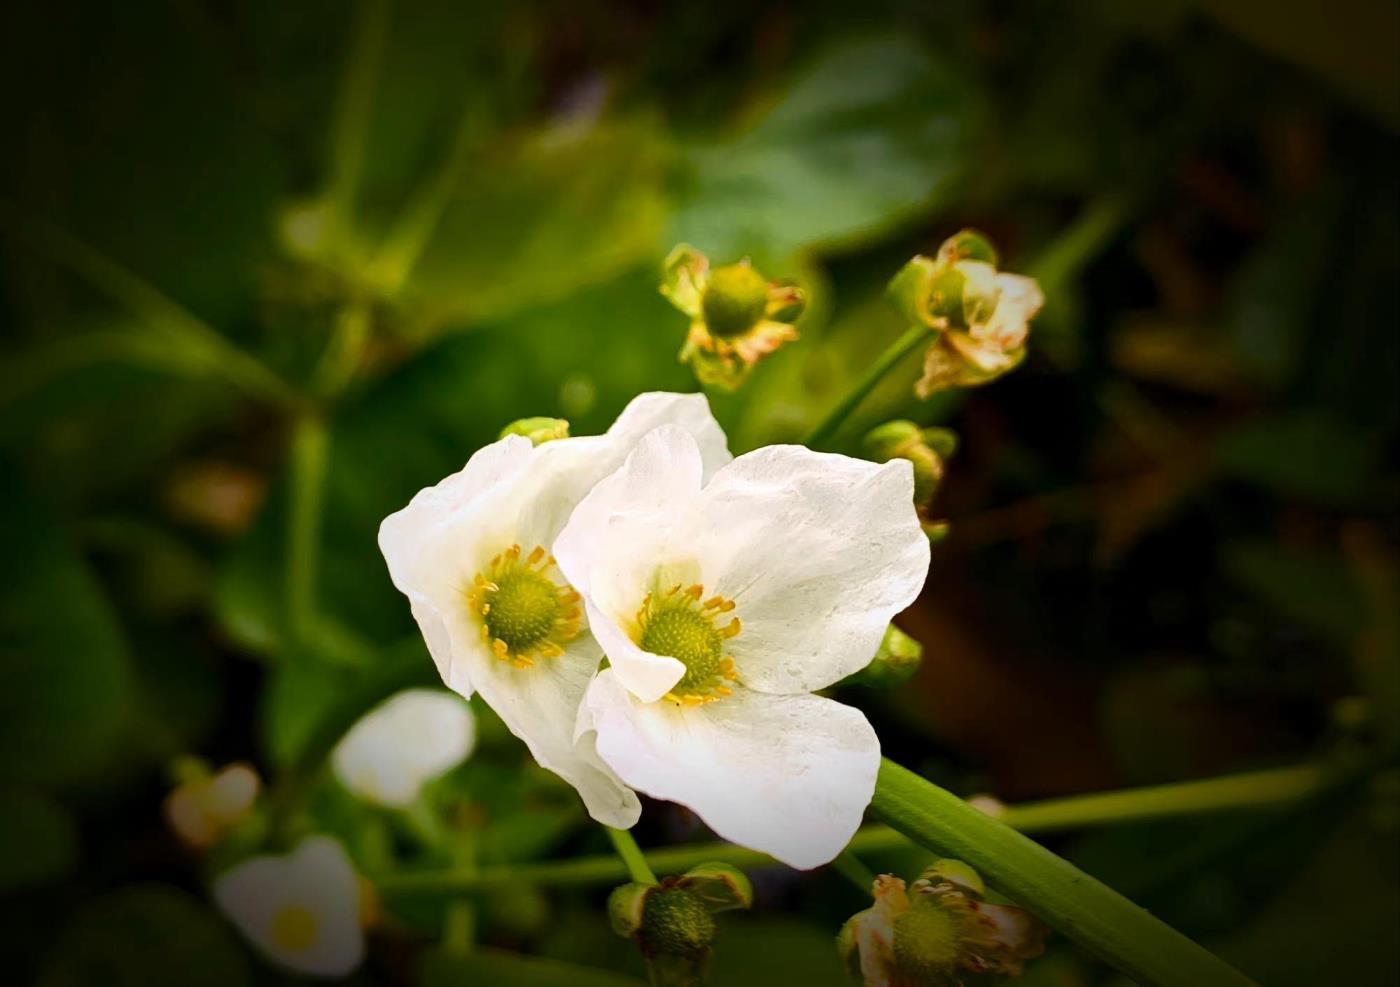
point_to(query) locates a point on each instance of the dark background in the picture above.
(1174, 538)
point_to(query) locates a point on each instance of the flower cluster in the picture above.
(980, 316)
(723, 593)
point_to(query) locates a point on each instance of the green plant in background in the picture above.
(365, 296)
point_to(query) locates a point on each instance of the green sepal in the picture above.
(722, 887)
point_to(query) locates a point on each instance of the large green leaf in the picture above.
(38, 841)
(65, 687)
(869, 135)
(147, 936)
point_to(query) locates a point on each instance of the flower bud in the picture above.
(673, 922)
(538, 430)
(897, 660)
(204, 806)
(905, 440)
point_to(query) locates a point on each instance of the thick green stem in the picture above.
(308, 479)
(883, 364)
(1085, 910)
(1244, 792)
(631, 856)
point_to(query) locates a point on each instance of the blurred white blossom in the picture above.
(403, 743)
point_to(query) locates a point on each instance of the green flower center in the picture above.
(735, 299)
(294, 929)
(524, 610)
(677, 624)
(926, 941)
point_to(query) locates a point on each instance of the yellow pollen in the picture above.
(524, 607)
(294, 929)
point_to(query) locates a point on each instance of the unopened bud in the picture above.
(673, 922)
(905, 440)
(897, 660)
(538, 430)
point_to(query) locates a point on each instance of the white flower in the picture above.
(403, 743)
(472, 555)
(722, 605)
(300, 910)
(202, 810)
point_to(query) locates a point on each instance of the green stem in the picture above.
(883, 364)
(1087, 911)
(308, 479)
(631, 856)
(350, 129)
(849, 866)
(1244, 792)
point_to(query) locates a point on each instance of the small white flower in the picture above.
(202, 810)
(472, 555)
(722, 605)
(301, 910)
(402, 744)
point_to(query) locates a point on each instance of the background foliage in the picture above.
(1174, 534)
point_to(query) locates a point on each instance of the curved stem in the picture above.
(883, 364)
(1092, 914)
(310, 444)
(1252, 791)
(631, 855)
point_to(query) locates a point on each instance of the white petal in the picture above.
(540, 706)
(631, 511)
(787, 775)
(403, 743)
(818, 551)
(317, 877)
(691, 412)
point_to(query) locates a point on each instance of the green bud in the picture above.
(954, 872)
(675, 922)
(909, 290)
(968, 245)
(722, 887)
(905, 440)
(943, 441)
(626, 906)
(897, 660)
(538, 430)
(735, 299)
(936, 531)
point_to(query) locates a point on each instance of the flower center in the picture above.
(525, 611)
(294, 929)
(677, 624)
(735, 299)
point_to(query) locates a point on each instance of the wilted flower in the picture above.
(301, 910)
(402, 744)
(205, 807)
(937, 931)
(736, 316)
(721, 606)
(672, 922)
(981, 316)
(472, 555)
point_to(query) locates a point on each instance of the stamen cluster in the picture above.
(676, 623)
(525, 611)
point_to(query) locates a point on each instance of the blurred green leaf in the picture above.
(869, 135)
(539, 218)
(1302, 454)
(146, 936)
(495, 966)
(38, 841)
(1315, 589)
(65, 687)
(759, 952)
